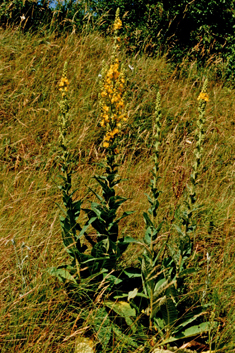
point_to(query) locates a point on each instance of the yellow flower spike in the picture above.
(117, 23)
(112, 91)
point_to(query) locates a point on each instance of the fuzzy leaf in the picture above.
(123, 309)
(62, 274)
(188, 321)
(190, 332)
(147, 220)
(132, 294)
(85, 227)
(170, 313)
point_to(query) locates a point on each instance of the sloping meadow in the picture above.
(36, 311)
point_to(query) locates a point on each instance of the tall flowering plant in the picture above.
(105, 247)
(109, 246)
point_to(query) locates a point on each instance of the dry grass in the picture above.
(38, 317)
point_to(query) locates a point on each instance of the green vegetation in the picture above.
(199, 30)
(130, 272)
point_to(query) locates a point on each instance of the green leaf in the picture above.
(148, 221)
(132, 294)
(148, 235)
(123, 339)
(86, 226)
(186, 272)
(123, 309)
(62, 274)
(169, 313)
(160, 325)
(188, 321)
(132, 273)
(130, 240)
(125, 214)
(179, 230)
(190, 332)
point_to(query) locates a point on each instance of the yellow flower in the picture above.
(106, 144)
(115, 131)
(103, 94)
(65, 80)
(105, 108)
(116, 75)
(107, 137)
(203, 96)
(106, 117)
(117, 24)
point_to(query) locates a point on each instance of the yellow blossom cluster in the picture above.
(203, 96)
(64, 82)
(112, 102)
(117, 24)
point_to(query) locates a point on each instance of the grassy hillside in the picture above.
(36, 313)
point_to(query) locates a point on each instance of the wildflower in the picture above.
(106, 144)
(104, 94)
(203, 96)
(105, 108)
(22, 17)
(131, 67)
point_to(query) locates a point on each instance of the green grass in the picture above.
(39, 316)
